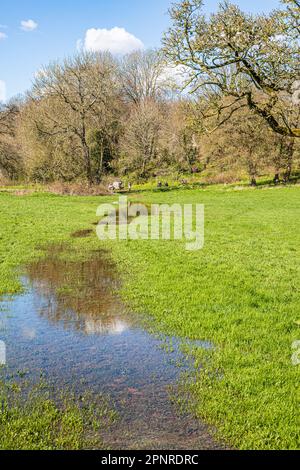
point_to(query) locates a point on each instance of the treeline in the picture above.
(92, 115)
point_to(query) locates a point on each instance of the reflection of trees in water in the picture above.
(79, 294)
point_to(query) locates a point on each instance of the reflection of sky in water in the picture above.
(100, 352)
(89, 342)
(115, 327)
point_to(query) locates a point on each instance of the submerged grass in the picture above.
(35, 421)
(240, 292)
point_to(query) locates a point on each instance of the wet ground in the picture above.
(70, 326)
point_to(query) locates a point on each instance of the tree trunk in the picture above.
(143, 172)
(190, 166)
(88, 166)
(252, 168)
(289, 160)
(100, 165)
(86, 153)
(287, 175)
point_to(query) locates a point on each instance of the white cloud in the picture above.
(2, 36)
(2, 90)
(28, 25)
(115, 40)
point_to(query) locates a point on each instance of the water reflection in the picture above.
(71, 327)
(79, 295)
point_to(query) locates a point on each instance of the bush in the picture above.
(221, 178)
(77, 189)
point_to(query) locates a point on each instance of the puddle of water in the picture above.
(71, 326)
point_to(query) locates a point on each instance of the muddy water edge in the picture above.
(71, 326)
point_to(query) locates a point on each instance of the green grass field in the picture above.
(241, 292)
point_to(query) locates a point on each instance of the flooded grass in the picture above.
(71, 327)
(38, 417)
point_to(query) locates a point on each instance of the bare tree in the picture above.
(251, 60)
(8, 115)
(282, 157)
(141, 137)
(180, 136)
(76, 96)
(11, 164)
(144, 75)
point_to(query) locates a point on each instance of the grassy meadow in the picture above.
(240, 292)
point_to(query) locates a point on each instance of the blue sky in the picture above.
(57, 25)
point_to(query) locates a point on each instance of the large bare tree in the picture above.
(144, 75)
(75, 97)
(252, 60)
(141, 137)
(8, 114)
(11, 164)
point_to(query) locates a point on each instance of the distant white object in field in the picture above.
(116, 186)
